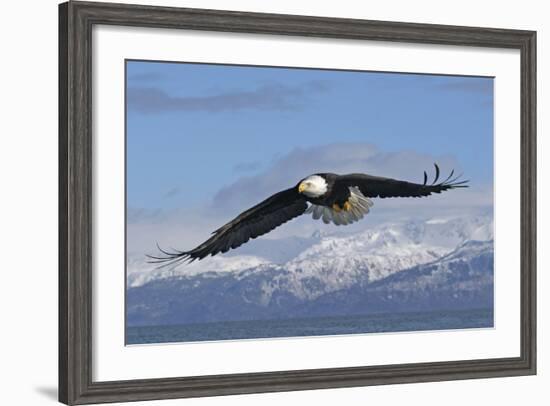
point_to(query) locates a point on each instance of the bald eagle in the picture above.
(340, 199)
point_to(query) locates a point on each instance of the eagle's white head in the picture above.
(313, 186)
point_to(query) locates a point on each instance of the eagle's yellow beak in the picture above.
(301, 187)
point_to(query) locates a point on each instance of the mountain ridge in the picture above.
(394, 267)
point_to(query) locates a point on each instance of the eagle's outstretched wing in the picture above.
(256, 221)
(375, 186)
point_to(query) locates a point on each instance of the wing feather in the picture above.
(256, 221)
(375, 186)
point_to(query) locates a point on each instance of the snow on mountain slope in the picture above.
(465, 268)
(461, 279)
(139, 272)
(325, 263)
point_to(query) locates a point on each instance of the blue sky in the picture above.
(194, 131)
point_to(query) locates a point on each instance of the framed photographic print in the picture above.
(258, 202)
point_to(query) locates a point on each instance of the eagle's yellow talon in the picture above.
(336, 208)
(347, 206)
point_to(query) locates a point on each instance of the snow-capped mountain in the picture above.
(461, 279)
(382, 250)
(390, 266)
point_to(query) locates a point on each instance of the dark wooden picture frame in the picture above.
(76, 20)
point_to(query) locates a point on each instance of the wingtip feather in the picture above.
(436, 174)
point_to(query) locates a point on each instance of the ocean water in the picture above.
(387, 322)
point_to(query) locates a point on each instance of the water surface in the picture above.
(387, 322)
